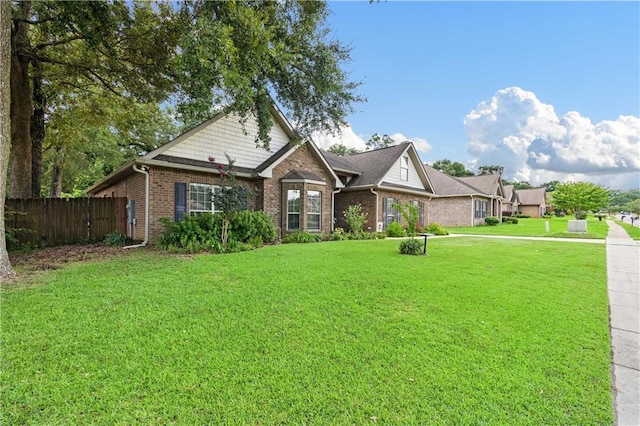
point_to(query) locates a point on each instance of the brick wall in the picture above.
(455, 211)
(131, 187)
(303, 159)
(368, 202)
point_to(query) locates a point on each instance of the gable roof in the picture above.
(450, 186)
(509, 193)
(531, 197)
(369, 168)
(259, 166)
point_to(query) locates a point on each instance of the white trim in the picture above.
(309, 181)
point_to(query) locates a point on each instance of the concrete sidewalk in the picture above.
(623, 277)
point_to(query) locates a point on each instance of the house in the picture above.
(464, 201)
(378, 179)
(510, 203)
(291, 181)
(532, 202)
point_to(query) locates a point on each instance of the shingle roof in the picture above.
(486, 184)
(508, 192)
(340, 164)
(531, 197)
(302, 174)
(374, 165)
(443, 184)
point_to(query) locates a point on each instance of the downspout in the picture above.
(333, 208)
(376, 194)
(473, 220)
(144, 171)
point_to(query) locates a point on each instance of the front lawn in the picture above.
(347, 332)
(534, 227)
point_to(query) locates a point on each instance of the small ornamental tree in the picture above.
(580, 197)
(411, 214)
(355, 217)
(230, 198)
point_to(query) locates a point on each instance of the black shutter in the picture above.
(181, 200)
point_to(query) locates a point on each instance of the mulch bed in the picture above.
(48, 258)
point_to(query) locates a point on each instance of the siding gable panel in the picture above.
(393, 175)
(226, 135)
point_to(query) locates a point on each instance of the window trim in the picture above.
(310, 213)
(294, 213)
(404, 168)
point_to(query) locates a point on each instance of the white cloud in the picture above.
(350, 139)
(346, 137)
(514, 129)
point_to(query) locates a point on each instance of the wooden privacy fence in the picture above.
(55, 221)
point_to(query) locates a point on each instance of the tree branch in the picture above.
(59, 42)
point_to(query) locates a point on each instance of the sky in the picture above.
(549, 90)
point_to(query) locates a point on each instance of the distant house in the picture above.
(292, 181)
(378, 179)
(532, 202)
(464, 201)
(510, 203)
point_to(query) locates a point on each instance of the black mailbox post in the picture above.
(424, 250)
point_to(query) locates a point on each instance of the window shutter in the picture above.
(421, 213)
(384, 213)
(181, 200)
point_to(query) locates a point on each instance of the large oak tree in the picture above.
(202, 56)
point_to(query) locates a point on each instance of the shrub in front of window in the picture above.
(491, 220)
(395, 229)
(355, 218)
(411, 246)
(301, 237)
(411, 214)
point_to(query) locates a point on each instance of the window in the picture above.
(388, 212)
(314, 210)
(404, 168)
(201, 198)
(293, 209)
(480, 209)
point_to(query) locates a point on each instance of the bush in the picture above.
(436, 229)
(204, 232)
(510, 220)
(411, 246)
(301, 237)
(491, 220)
(394, 229)
(524, 216)
(115, 239)
(355, 217)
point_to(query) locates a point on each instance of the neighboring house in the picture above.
(532, 202)
(464, 201)
(378, 179)
(292, 181)
(510, 203)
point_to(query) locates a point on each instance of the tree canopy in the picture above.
(341, 150)
(580, 197)
(454, 168)
(200, 56)
(376, 141)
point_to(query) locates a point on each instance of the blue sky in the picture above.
(538, 87)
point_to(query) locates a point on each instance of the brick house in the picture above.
(532, 202)
(379, 178)
(464, 201)
(291, 181)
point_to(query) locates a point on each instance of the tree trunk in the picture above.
(37, 130)
(56, 175)
(6, 271)
(20, 161)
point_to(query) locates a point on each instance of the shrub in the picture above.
(116, 239)
(436, 229)
(355, 217)
(510, 220)
(524, 216)
(411, 246)
(491, 220)
(301, 237)
(338, 234)
(394, 229)
(203, 232)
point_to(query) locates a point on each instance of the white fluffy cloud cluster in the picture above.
(514, 129)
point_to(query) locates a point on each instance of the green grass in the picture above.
(633, 231)
(479, 332)
(537, 228)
